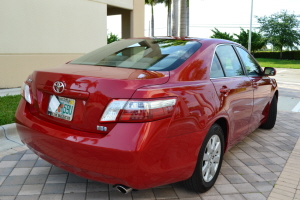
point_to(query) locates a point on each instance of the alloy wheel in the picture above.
(211, 158)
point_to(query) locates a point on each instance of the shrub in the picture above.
(112, 38)
(289, 55)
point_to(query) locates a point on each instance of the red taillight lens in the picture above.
(136, 110)
(139, 110)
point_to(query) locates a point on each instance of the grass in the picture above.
(8, 107)
(276, 63)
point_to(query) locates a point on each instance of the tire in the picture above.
(203, 177)
(270, 123)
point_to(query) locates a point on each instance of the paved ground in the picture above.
(287, 75)
(250, 171)
(289, 86)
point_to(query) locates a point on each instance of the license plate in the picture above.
(64, 110)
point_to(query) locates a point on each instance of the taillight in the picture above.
(138, 110)
(113, 110)
(25, 91)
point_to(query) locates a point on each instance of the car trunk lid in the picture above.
(88, 89)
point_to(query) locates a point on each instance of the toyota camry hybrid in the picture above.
(145, 112)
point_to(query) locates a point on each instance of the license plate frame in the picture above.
(65, 110)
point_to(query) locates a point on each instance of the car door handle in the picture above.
(254, 84)
(224, 90)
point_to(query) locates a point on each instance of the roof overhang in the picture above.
(125, 4)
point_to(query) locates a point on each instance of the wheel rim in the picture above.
(211, 158)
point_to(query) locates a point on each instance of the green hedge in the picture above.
(290, 55)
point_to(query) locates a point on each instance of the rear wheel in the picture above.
(209, 161)
(270, 123)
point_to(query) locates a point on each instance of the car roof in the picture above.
(202, 40)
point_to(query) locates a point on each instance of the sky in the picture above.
(226, 15)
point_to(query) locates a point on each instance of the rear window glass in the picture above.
(147, 54)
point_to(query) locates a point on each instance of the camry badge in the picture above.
(58, 87)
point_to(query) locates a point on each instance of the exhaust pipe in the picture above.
(123, 189)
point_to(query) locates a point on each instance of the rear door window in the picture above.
(229, 61)
(216, 68)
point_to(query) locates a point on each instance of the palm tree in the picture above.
(175, 18)
(152, 3)
(184, 18)
(168, 3)
(187, 17)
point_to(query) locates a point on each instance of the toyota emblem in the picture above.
(58, 87)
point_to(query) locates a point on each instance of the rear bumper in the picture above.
(138, 155)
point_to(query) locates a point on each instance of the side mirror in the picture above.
(269, 71)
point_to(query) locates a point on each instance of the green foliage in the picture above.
(154, 2)
(221, 35)
(291, 55)
(112, 38)
(277, 63)
(257, 40)
(281, 29)
(8, 107)
(167, 3)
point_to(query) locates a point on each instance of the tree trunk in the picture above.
(188, 18)
(152, 21)
(175, 18)
(280, 53)
(183, 18)
(169, 30)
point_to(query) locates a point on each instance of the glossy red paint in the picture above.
(133, 157)
(140, 155)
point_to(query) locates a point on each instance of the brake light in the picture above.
(25, 91)
(138, 110)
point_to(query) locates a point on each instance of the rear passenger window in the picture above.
(216, 68)
(251, 66)
(229, 61)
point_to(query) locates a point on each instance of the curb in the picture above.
(11, 91)
(9, 137)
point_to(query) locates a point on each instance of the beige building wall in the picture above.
(138, 18)
(42, 34)
(15, 68)
(51, 26)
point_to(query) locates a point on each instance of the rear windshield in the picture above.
(147, 54)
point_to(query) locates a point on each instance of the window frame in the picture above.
(241, 60)
(238, 57)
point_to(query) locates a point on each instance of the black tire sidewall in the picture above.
(272, 115)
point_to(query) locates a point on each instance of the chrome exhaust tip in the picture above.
(123, 189)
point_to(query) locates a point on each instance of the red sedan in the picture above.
(139, 113)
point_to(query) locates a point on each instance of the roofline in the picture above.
(187, 38)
